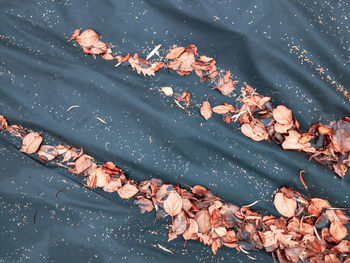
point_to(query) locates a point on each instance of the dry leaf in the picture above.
(142, 66)
(31, 142)
(203, 220)
(191, 230)
(168, 91)
(222, 109)
(184, 59)
(113, 185)
(284, 205)
(98, 178)
(316, 205)
(255, 130)
(127, 191)
(47, 153)
(3, 123)
(206, 110)
(144, 204)
(82, 164)
(338, 230)
(173, 204)
(283, 115)
(226, 85)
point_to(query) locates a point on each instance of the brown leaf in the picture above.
(341, 136)
(47, 153)
(175, 52)
(173, 204)
(284, 205)
(82, 164)
(255, 130)
(111, 168)
(89, 41)
(144, 204)
(206, 111)
(98, 178)
(31, 142)
(184, 59)
(226, 85)
(191, 230)
(142, 66)
(3, 123)
(128, 191)
(316, 205)
(180, 224)
(331, 258)
(222, 109)
(185, 97)
(205, 59)
(338, 230)
(201, 191)
(113, 185)
(283, 115)
(168, 91)
(203, 220)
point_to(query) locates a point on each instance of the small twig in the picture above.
(34, 216)
(255, 202)
(101, 120)
(56, 195)
(253, 258)
(165, 249)
(236, 116)
(302, 179)
(178, 104)
(71, 107)
(154, 51)
(337, 208)
(317, 235)
(243, 250)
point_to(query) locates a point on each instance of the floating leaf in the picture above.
(31, 142)
(173, 204)
(206, 111)
(127, 191)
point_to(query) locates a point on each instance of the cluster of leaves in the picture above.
(328, 145)
(310, 229)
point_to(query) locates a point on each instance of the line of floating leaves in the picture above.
(310, 230)
(328, 145)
